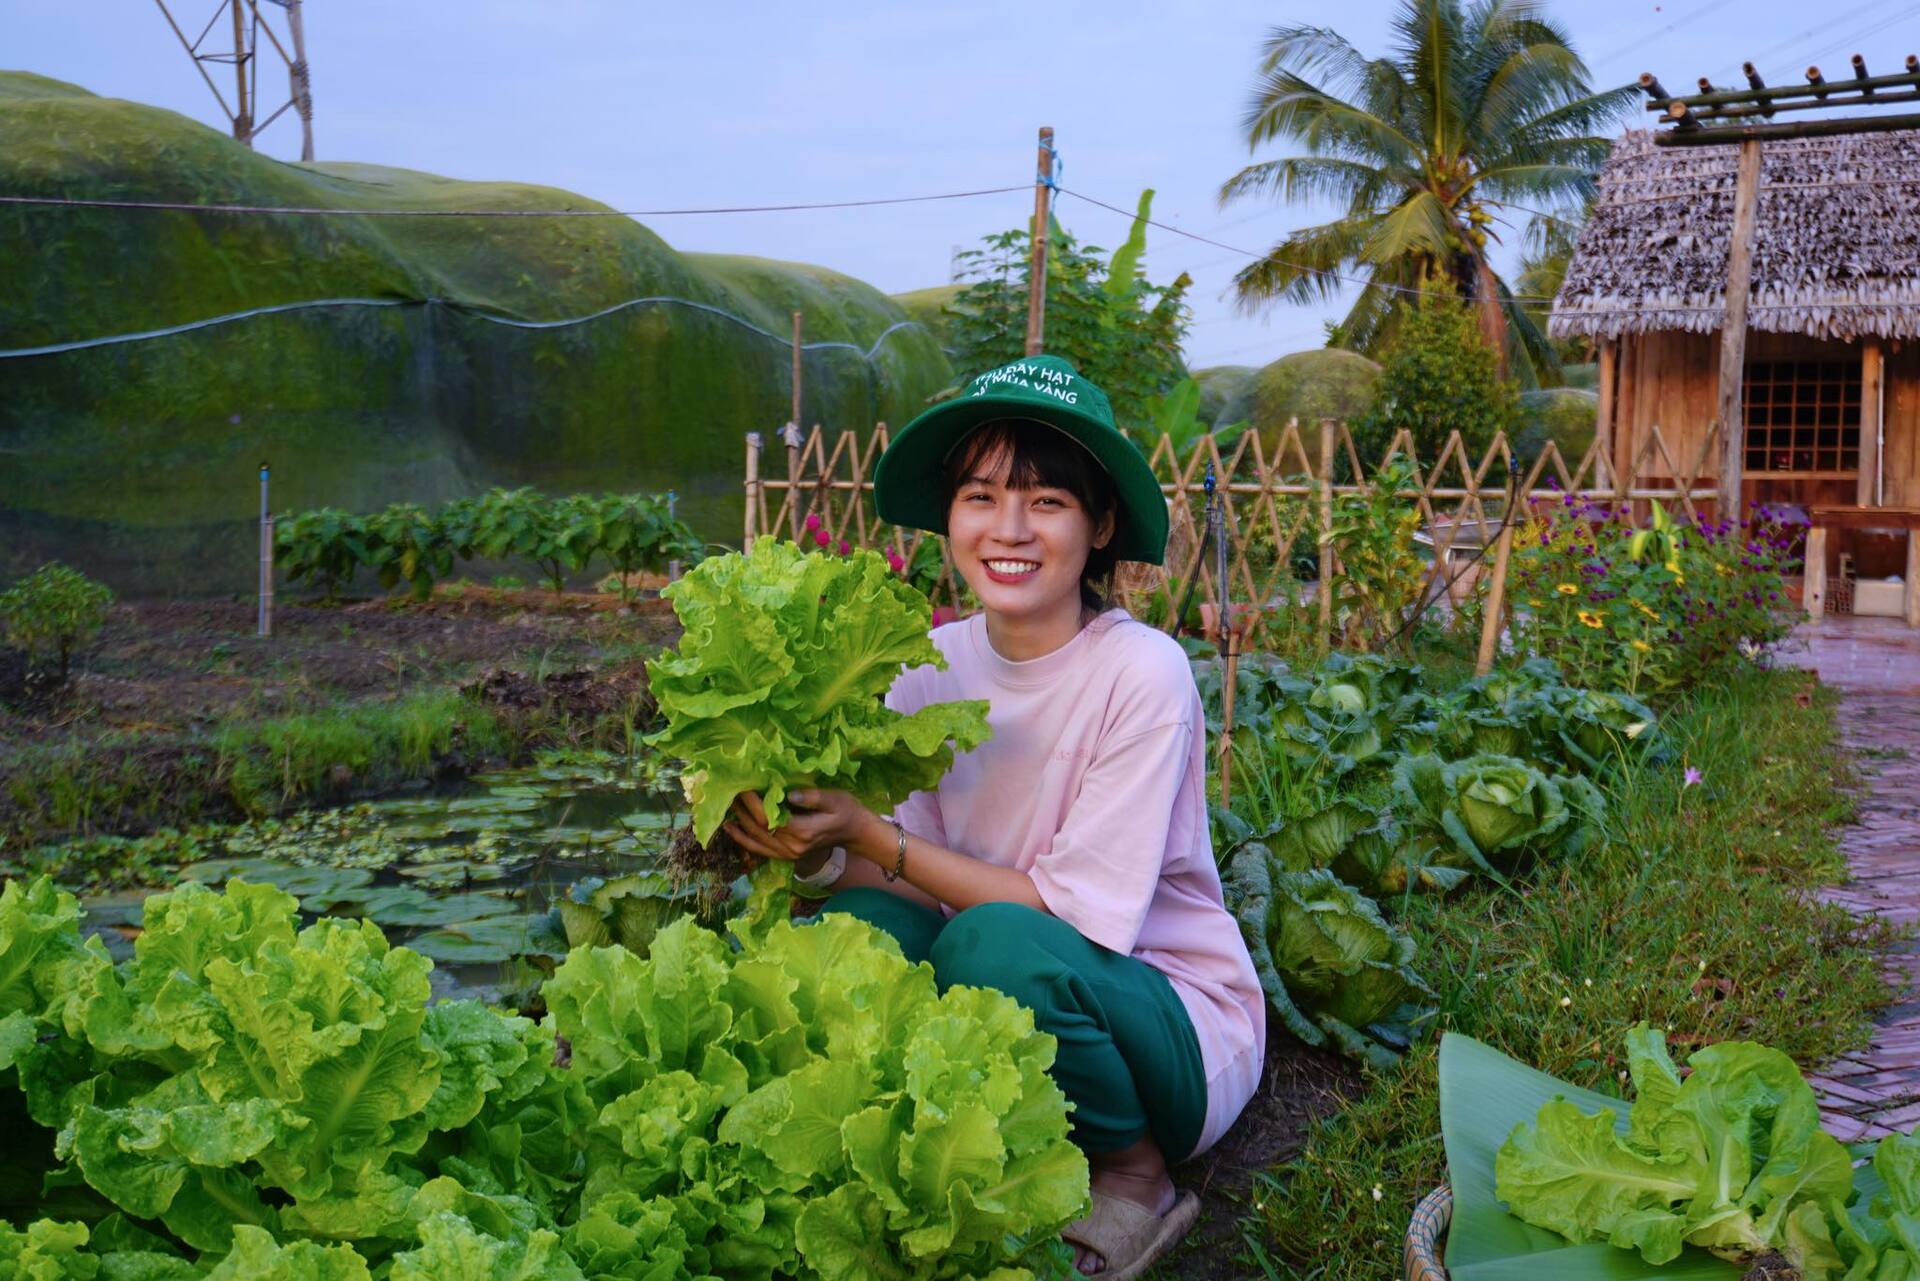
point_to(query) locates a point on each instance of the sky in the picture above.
(742, 102)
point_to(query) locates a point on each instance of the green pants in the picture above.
(1128, 1059)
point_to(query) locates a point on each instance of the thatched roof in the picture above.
(1836, 240)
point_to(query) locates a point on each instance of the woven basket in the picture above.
(1425, 1232)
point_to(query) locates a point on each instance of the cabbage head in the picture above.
(1495, 809)
(1331, 965)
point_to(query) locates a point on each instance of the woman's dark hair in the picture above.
(1041, 457)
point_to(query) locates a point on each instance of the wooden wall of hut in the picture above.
(1670, 378)
(1901, 466)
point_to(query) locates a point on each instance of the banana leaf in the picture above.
(1483, 1096)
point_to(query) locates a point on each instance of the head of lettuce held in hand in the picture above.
(1065, 858)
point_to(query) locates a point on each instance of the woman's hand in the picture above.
(821, 819)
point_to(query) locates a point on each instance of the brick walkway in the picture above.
(1875, 665)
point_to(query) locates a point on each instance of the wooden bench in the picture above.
(1823, 518)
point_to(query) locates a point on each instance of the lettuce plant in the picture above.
(810, 1105)
(282, 1103)
(779, 679)
(1732, 1158)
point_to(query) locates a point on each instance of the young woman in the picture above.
(1066, 861)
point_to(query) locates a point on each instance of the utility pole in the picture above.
(1037, 267)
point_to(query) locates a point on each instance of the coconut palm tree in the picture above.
(1477, 105)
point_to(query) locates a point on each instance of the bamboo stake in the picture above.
(1733, 332)
(1496, 603)
(753, 489)
(1326, 534)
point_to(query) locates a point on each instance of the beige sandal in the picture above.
(1130, 1237)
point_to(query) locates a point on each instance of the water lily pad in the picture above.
(125, 909)
(216, 871)
(492, 804)
(405, 907)
(524, 791)
(499, 824)
(647, 821)
(421, 831)
(494, 939)
(454, 872)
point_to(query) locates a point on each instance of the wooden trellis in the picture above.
(1282, 493)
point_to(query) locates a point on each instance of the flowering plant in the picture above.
(1652, 609)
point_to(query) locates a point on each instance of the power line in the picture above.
(1248, 253)
(311, 211)
(1649, 38)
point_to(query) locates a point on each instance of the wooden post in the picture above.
(1603, 415)
(1813, 589)
(1624, 418)
(753, 490)
(1873, 367)
(1326, 534)
(1037, 265)
(1733, 332)
(1913, 578)
(1496, 603)
(791, 434)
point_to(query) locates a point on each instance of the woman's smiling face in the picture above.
(1021, 549)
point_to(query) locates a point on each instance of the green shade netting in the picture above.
(136, 460)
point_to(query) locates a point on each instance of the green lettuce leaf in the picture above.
(778, 682)
(1731, 1158)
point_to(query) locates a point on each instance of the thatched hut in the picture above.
(1830, 392)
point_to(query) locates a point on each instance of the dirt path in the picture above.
(1874, 663)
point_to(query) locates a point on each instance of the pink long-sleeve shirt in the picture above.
(1094, 784)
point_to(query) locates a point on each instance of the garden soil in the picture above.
(1301, 1085)
(164, 674)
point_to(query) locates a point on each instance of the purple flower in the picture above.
(1691, 777)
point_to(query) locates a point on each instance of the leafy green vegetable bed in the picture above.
(282, 1103)
(1690, 914)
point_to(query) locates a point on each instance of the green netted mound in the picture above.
(929, 307)
(1305, 386)
(137, 461)
(1220, 390)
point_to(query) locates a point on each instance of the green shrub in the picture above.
(53, 612)
(1440, 376)
(324, 546)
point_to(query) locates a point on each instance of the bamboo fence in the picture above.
(1271, 496)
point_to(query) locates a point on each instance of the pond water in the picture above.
(474, 877)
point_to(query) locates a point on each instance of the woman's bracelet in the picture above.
(900, 860)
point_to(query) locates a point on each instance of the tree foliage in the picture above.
(1479, 108)
(1119, 329)
(1439, 376)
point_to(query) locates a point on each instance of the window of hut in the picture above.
(1803, 417)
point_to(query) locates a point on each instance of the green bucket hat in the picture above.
(1043, 389)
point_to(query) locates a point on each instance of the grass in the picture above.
(1693, 917)
(265, 765)
(249, 765)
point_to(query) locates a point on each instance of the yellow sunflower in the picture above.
(1567, 589)
(1591, 619)
(1642, 646)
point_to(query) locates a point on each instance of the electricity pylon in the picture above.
(238, 45)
